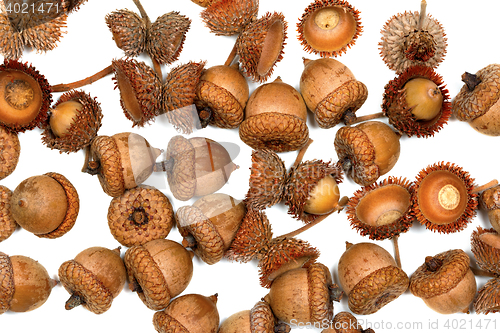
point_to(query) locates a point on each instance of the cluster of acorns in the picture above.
(270, 120)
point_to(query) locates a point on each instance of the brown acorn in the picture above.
(210, 225)
(260, 319)
(331, 91)
(229, 17)
(490, 200)
(222, 94)
(73, 123)
(45, 205)
(275, 118)
(94, 278)
(260, 46)
(368, 274)
(367, 151)
(196, 167)
(140, 215)
(382, 210)
(121, 161)
(26, 96)
(445, 282)
(412, 39)
(417, 102)
(25, 284)
(444, 198)
(129, 31)
(345, 322)
(488, 297)
(329, 27)
(477, 101)
(191, 313)
(158, 271)
(7, 223)
(485, 245)
(10, 149)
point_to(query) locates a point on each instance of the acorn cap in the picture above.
(329, 27)
(302, 180)
(395, 107)
(84, 125)
(487, 256)
(140, 90)
(382, 210)
(19, 114)
(73, 5)
(6, 282)
(10, 149)
(7, 223)
(14, 49)
(229, 17)
(129, 31)
(260, 46)
(78, 280)
(439, 274)
(444, 198)
(490, 198)
(140, 215)
(262, 318)
(488, 297)
(181, 175)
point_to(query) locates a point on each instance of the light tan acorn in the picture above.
(490, 200)
(121, 161)
(7, 223)
(229, 17)
(158, 271)
(260, 319)
(345, 322)
(445, 282)
(10, 150)
(485, 245)
(488, 297)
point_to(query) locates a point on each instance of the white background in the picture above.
(87, 47)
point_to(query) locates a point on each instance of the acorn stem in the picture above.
(73, 302)
(355, 120)
(486, 186)
(307, 226)
(231, 56)
(421, 18)
(480, 272)
(302, 152)
(433, 264)
(164, 166)
(91, 79)
(396, 250)
(90, 167)
(157, 68)
(471, 80)
(189, 241)
(336, 293)
(206, 115)
(144, 15)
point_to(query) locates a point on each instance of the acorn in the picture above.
(488, 297)
(477, 101)
(7, 223)
(382, 210)
(417, 102)
(25, 284)
(196, 167)
(444, 198)
(26, 96)
(275, 118)
(222, 94)
(10, 149)
(345, 322)
(140, 215)
(158, 271)
(260, 46)
(485, 245)
(229, 17)
(490, 200)
(94, 278)
(368, 274)
(210, 225)
(329, 27)
(412, 39)
(331, 91)
(140, 90)
(445, 282)
(74, 121)
(129, 31)
(121, 161)
(45, 205)
(367, 151)
(260, 319)
(191, 313)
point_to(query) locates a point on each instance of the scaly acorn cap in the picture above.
(129, 31)
(27, 96)
(302, 179)
(259, 55)
(7, 223)
(6, 282)
(268, 176)
(140, 215)
(83, 128)
(229, 17)
(399, 113)
(140, 90)
(488, 297)
(262, 319)
(10, 150)
(487, 256)
(382, 210)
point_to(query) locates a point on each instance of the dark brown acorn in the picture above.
(10, 149)
(229, 17)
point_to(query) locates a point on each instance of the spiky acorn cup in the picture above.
(229, 17)
(140, 90)
(204, 3)
(412, 39)
(490, 201)
(477, 102)
(25, 96)
(74, 121)
(74, 5)
(488, 297)
(7, 223)
(331, 91)
(10, 149)
(329, 27)
(485, 245)
(444, 198)
(417, 102)
(158, 271)
(121, 161)
(260, 319)
(260, 46)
